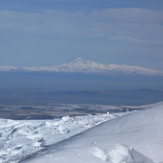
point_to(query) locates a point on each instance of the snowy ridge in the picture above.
(85, 66)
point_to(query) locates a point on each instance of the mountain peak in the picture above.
(80, 61)
(80, 65)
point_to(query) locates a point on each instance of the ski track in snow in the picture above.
(21, 138)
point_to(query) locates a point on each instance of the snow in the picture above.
(8, 68)
(86, 66)
(133, 138)
(19, 138)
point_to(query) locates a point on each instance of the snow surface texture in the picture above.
(86, 66)
(133, 138)
(21, 138)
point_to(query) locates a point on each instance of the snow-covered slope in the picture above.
(21, 138)
(133, 138)
(85, 66)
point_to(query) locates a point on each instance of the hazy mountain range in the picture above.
(79, 75)
(86, 66)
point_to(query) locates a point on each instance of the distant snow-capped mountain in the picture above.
(86, 66)
(8, 68)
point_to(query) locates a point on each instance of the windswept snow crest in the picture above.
(133, 138)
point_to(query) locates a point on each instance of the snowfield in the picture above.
(135, 137)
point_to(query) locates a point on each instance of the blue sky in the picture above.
(49, 32)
